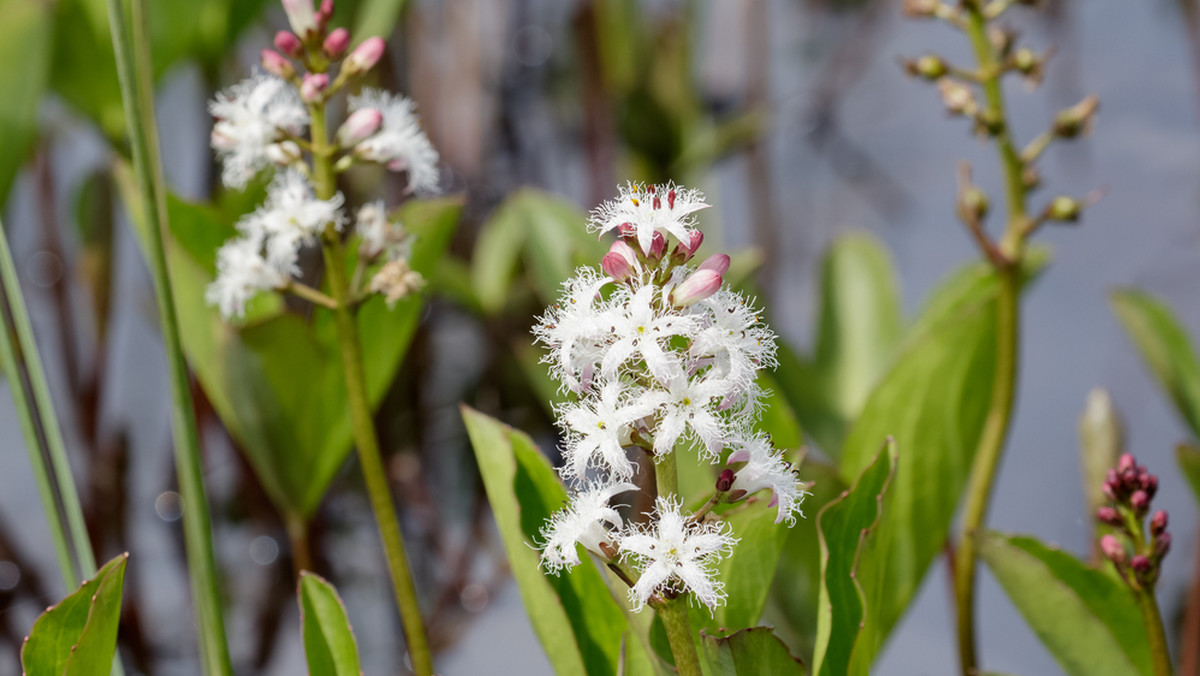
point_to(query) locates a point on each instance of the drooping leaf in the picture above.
(1166, 349)
(748, 652)
(1087, 618)
(25, 53)
(579, 623)
(329, 644)
(846, 533)
(276, 380)
(78, 636)
(934, 401)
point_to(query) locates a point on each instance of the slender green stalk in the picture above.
(674, 612)
(360, 414)
(1155, 633)
(999, 417)
(40, 426)
(137, 95)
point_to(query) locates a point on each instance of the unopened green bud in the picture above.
(988, 123)
(1063, 208)
(973, 204)
(929, 67)
(1077, 119)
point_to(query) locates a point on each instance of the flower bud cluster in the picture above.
(1136, 548)
(659, 359)
(261, 123)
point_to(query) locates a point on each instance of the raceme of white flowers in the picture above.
(261, 124)
(658, 358)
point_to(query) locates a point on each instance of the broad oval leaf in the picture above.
(328, 638)
(750, 652)
(78, 636)
(1087, 618)
(580, 625)
(934, 401)
(1165, 347)
(846, 533)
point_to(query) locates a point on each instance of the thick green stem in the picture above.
(674, 616)
(137, 95)
(987, 461)
(1155, 633)
(674, 612)
(360, 415)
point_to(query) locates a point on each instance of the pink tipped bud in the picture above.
(1149, 483)
(300, 15)
(700, 285)
(361, 125)
(616, 266)
(718, 263)
(273, 62)
(658, 244)
(1139, 501)
(1162, 545)
(696, 238)
(1112, 548)
(1158, 523)
(1140, 564)
(1126, 462)
(1108, 516)
(725, 480)
(289, 44)
(365, 56)
(313, 86)
(337, 43)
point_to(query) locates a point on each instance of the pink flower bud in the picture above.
(616, 266)
(361, 125)
(300, 15)
(1109, 516)
(1140, 564)
(313, 86)
(1126, 462)
(658, 244)
(289, 44)
(365, 56)
(696, 238)
(325, 13)
(725, 481)
(273, 62)
(1162, 545)
(718, 263)
(1158, 523)
(1139, 501)
(337, 42)
(700, 285)
(1112, 548)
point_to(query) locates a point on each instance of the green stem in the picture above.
(360, 416)
(137, 95)
(1155, 633)
(674, 612)
(39, 425)
(987, 460)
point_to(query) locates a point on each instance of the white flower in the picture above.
(250, 119)
(289, 218)
(586, 521)
(734, 342)
(764, 468)
(241, 273)
(665, 209)
(576, 330)
(598, 428)
(689, 406)
(640, 325)
(400, 144)
(676, 555)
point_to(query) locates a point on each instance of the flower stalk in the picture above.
(996, 57)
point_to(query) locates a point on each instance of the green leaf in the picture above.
(797, 586)
(78, 637)
(276, 380)
(497, 252)
(580, 625)
(1166, 349)
(846, 533)
(749, 652)
(934, 401)
(328, 638)
(1189, 461)
(25, 44)
(377, 17)
(747, 573)
(1087, 618)
(858, 332)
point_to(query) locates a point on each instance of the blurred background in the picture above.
(792, 115)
